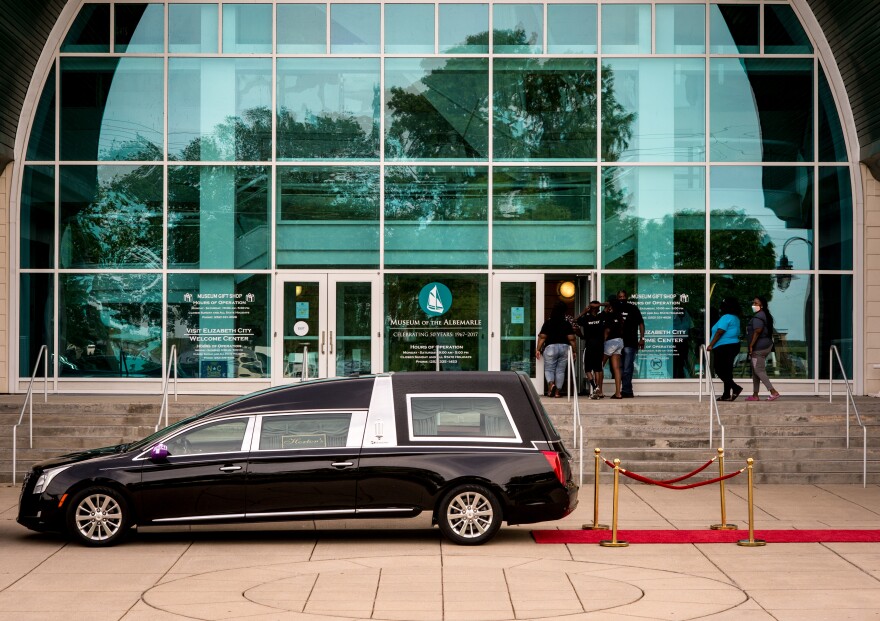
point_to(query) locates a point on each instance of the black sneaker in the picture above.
(626, 395)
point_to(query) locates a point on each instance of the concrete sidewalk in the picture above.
(404, 570)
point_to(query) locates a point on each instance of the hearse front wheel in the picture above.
(469, 515)
(98, 516)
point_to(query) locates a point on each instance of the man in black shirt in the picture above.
(633, 339)
(593, 331)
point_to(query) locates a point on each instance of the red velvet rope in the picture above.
(677, 479)
(666, 483)
(642, 479)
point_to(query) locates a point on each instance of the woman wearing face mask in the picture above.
(760, 339)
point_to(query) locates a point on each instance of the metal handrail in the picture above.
(578, 431)
(833, 353)
(29, 404)
(172, 363)
(705, 366)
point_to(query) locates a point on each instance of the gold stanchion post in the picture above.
(614, 543)
(595, 525)
(751, 542)
(723, 525)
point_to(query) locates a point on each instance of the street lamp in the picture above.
(785, 265)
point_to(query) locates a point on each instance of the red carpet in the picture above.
(706, 536)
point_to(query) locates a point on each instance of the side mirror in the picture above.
(159, 453)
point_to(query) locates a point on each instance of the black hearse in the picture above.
(475, 449)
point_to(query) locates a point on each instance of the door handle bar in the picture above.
(342, 464)
(229, 468)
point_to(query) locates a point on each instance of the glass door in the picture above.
(330, 326)
(517, 301)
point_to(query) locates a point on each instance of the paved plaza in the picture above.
(404, 570)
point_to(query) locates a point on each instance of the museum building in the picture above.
(264, 192)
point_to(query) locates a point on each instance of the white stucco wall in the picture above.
(872, 282)
(5, 192)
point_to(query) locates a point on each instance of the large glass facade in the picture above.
(187, 162)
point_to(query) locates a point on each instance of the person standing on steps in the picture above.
(554, 339)
(759, 333)
(613, 342)
(633, 340)
(725, 344)
(593, 331)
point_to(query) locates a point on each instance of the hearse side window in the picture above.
(221, 437)
(477, 417)
(300, 431)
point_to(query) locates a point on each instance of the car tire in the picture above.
(469, 515)
(98, 517)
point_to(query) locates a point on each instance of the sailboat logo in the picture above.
(435, 299)
(435, 304)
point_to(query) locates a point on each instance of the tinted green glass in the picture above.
(328, 108)
(41, 143)
(90, 31)
(220, 324)
(219, 109)
(354, 29)
(672, 306)
(110, 217)
(464, 28)
(626, 29)
(832, 144)
(836, 295)
(218, 217)
(436, 217)
(409, 28)
(518, 28)
(656, 111)
(192, 28)
(761, 110)
(572, 29)
(139, 28)
(680, 29)
(761, 217)
(354, 343)
(460, 310)
(112, 109)
(517, 321)
(437, 108)
(247, 28)
(36, 322)
(734, 29)
(38, 217)
(783, 33)
(654, 218)
(328, 216)
(110, 325)
(545, 109)
(835, 219)
(790, 301)
(301, 28)
(544, 217)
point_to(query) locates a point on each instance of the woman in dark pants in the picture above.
(725, 344)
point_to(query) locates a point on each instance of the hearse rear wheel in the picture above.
(469, 515)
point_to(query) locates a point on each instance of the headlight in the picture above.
(46, 478)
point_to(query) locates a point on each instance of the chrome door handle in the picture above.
(342, 464)
(323, 334)
(331, 341)
(229, 468)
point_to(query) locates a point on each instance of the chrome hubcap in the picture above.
(98, 517)
(470, 514)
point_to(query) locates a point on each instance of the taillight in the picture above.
(555, 463)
